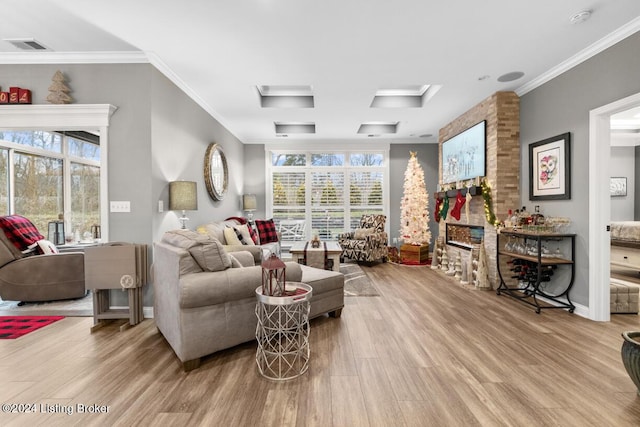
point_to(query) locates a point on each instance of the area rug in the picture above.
(81, 307)
(12, 327)
(356, 282)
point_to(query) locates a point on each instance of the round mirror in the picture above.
(216, 175)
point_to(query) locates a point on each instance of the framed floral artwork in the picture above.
(618, 186)
(550, 168)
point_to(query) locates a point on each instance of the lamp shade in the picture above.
(249, 202)
(183, 195)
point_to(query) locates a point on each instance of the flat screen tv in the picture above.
(463, 156)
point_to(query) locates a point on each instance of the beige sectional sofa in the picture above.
(205, 295)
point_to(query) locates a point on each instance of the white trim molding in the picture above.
(618, 35)
(68, 117)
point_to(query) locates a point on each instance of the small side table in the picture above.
(283, 332)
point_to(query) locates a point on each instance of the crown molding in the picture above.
(133, 57)
(175, 79)
(618, 35)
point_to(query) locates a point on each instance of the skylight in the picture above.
(285, 128)
(376, 128)
(285, 96)
(407, 96)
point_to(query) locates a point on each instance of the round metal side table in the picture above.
(283, 332)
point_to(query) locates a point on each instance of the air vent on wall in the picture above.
(27, 44)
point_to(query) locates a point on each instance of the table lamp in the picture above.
(249, 204)
(183, 195)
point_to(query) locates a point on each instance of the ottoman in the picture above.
(624, 297)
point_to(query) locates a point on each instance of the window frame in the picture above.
(68, 117)
(346, 169)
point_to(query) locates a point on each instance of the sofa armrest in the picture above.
(44, 269)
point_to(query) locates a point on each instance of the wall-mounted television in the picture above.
(463, 156)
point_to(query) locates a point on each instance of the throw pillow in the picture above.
(46, 247)
(207, 251)
(241, 259)
(266, 231)
(362, 233)
(245, 235)
(20, 231)
(230, 237)
(254, 235)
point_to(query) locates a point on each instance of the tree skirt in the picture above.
(12, 327)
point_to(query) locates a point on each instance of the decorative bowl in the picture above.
(630, 353)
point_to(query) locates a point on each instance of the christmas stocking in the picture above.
(455, 212)
(436, 211)
(444, 208)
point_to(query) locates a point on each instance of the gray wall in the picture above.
(157, 134)
(622, 207)
(563, 105)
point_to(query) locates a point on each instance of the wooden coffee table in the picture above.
(333, 252)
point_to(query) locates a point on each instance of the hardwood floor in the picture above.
(427, 352)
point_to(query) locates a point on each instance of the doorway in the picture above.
(600, 204)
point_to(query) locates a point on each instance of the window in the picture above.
(46, 174)
(325, 193)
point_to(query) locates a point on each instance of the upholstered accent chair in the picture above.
(368, 242)
(28, 277)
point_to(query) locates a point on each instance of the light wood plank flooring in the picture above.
(427, 352)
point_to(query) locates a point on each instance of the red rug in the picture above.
(12, 327)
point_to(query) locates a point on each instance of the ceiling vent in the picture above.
(410, 96)
(285, 96)
(29, 44)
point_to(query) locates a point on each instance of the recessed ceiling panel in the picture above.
(376, 128)
(285, 96)
(294, 127)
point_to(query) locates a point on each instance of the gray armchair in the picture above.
(39, 277)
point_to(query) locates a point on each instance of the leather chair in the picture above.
(39, 277)
(367, 243)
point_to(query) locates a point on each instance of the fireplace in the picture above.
(464, 236)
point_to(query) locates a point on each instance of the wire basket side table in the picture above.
(282, 332)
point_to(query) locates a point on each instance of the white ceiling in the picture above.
(218, 51)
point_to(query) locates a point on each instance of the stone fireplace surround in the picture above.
(502, 113)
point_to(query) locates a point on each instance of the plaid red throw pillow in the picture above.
(20, 231)
(266, 231)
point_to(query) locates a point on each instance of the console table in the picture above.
(537, 268)
(328, 254)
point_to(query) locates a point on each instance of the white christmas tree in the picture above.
(414, 209)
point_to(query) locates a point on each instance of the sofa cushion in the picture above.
(266, 231)
(321, 280)
(362, 233)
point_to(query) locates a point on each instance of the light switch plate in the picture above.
(160, 206)
(120, 206)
